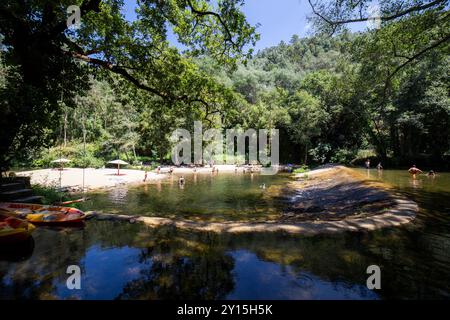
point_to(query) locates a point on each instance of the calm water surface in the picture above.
(131, 261)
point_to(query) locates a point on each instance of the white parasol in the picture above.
(118, 162)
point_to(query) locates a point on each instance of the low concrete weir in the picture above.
(397, 211)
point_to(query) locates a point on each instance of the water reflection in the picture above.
(20, 251)
(257, 279)
(118, 195)
(140, 263)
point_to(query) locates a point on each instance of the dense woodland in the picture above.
(115, 88)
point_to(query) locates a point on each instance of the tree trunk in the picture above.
(306, 154)
(134, 153)
(65, 128)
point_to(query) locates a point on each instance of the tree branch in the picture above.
(385, 18)
(416, 56)
(217, 16)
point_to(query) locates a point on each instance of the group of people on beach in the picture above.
(414, 171)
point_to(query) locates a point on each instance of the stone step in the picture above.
(30, 199)
(11, 186)
(14, 194)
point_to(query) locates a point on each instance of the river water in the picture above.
(132, 261)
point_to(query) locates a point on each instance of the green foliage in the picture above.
(302, 169)
(50, 195)
(343, 156)
(74, 152)
(321, 152)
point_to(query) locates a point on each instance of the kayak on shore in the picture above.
(39, 214)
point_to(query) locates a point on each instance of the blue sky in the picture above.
(279, 19)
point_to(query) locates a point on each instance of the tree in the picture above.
(307, 119)
(43, 55)
(409, 31)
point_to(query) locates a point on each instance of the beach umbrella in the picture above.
(118, 162)
(61, 161)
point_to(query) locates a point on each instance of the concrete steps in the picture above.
(11, 186)
(30, 199)
(18, 191)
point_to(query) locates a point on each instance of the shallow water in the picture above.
(204, 196)
(132, 261)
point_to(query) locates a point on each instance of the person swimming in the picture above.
(431, 173)
(414, 171)
(181, 181)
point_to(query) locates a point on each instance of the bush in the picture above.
(362, 155)
(75, 152)
(302, 169)
(321, 153)
(50, 195)
(343, 156)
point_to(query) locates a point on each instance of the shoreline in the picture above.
(101, 179)
(94, 179)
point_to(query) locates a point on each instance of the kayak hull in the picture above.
(38, 214)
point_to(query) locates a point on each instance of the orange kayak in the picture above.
(13, 229)
(43, 214)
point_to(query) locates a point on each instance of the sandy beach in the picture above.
(72, 178)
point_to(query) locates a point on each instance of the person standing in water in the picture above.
(379, 166)
(145, 176)
(367, 164)
(414, 171)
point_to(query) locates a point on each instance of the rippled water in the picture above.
(131, 261)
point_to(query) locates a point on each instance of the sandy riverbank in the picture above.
(72, 178)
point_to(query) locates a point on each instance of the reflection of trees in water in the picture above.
(35, 277)
(55, 249)
(177, 264)
(16, 252)
(183, 267)
(415, 265)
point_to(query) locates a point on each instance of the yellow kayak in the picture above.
(13, 229)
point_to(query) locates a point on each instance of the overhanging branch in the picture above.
(382, 18)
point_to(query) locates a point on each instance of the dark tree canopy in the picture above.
(47, 63)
